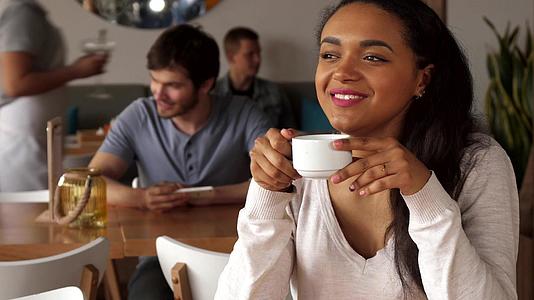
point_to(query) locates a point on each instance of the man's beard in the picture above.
(184, 108)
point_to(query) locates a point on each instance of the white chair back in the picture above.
(40, 196)
(27, 277)
(66, 293)
(203, 266)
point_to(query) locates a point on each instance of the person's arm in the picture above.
(263, 257)
(469, 254)
(262, 260)
(117, 153)
(113, 168)
(20, 79)
(159, 197)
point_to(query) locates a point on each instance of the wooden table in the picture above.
(131, 232)
(84, 143)
(209, 227)
(23, 238)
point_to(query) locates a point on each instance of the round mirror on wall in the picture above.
(148, 13)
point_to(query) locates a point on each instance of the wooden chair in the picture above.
(192, 273)
(54, 151)
(66, 293)
(82, 267)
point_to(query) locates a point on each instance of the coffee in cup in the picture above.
(314, 157)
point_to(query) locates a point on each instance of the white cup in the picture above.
(314, 157)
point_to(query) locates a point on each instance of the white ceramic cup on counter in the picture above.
(314, 156)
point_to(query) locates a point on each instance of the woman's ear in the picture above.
(425, 76)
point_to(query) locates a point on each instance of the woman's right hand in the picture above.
(270, 160)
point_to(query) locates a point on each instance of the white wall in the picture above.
(465, 20)
(286, 28)
(286, 31)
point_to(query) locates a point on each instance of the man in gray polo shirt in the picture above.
(180, 137)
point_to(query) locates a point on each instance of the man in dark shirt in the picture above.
(243, 53)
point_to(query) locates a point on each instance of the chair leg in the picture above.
(89, 282)
(180, 282)
(111, 282)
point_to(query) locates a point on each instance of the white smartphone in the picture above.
(197, 192)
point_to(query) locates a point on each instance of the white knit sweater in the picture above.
(467, 248)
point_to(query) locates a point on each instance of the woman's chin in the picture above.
(342, 127)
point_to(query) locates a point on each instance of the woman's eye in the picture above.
(374, 58)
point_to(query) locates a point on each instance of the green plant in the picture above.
(509, 95)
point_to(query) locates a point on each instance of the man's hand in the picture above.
(163, 196)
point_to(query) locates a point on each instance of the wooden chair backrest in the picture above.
(54, 141)
(191, 272)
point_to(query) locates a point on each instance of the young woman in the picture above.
(429, 209)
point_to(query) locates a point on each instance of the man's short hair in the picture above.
(188, 47)
(233, 38)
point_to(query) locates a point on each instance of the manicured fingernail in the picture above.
(352, 187)
(336, 178)
(337, 143)
(362, 193)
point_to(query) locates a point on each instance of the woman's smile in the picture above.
(343, 97)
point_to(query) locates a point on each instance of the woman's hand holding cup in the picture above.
(270, 160)
(388, 165)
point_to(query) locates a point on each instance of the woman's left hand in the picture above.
(388, 165)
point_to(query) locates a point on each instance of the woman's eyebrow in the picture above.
(374, 43)
(364, 44)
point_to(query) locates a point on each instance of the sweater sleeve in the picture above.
(468, 249)
(261, 262)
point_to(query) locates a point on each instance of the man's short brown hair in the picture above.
(234, 36)
(188, 47)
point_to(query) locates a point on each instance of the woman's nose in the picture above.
(347, 70)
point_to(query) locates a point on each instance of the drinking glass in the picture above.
(99, 45)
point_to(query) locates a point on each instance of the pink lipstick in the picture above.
(346, 97)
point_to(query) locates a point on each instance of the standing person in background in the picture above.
(32, 74)
(243, 51)
(428, 209)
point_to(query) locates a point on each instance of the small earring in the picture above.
(421, 94)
